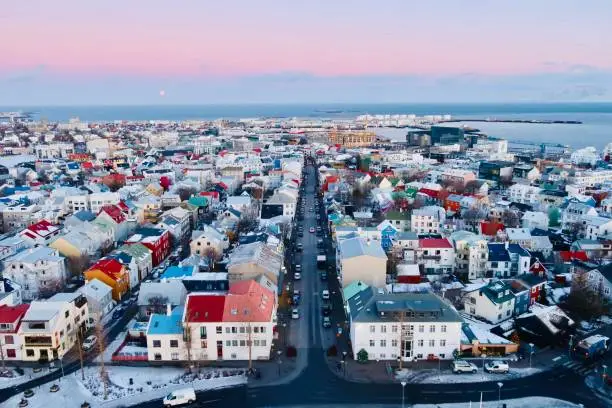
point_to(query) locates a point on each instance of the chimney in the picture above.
(168, 309)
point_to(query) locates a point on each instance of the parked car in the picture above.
(460, 366)
(180, 397)
(295, 314)
(311, 230)
(326, 309)
(297, 276)
(497, 367)
(325, 294)
(89, 343)
(326, 322)
(118, 313)
(323, 276)
(300, 247)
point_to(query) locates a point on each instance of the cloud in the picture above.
(25, 75)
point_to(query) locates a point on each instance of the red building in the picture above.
(10, 319)
(156, 239)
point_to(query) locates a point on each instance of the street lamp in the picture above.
(483, 364)
(344, 353)
(403, 386)
(530, 353)
(285, 333)
(279, 362)
(604, 369)
(500, 385)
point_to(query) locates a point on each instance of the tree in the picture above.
(77, 265)
(50, 288)
(362, 356)
(554, 217)
(472, 187)
(212, 255)
(510, 219)
(584, 300)
(472, 216)
(574, 230)
(185, 192)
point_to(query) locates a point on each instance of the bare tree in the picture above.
(77, 265)
(185, 192)
(50, 287)
(584, 300)
(472, 187)
(510, 219)
(574, 229)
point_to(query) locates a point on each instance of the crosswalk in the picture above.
(580, 368)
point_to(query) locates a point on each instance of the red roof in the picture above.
(568, 256)
(123, 206)
(214, 194)
(491, 229)
(10, 314)
(434, 243)
(222, 185)
(109, 266)
(429, 192)
(204, 308)
(43, 228)
(537, 268)
(114, 212)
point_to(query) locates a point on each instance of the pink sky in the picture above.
(344, 38)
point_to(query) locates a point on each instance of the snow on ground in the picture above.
(150, 383)
(448, 377)
(529, 402)
(28, 375)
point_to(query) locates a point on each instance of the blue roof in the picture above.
(164, 324)
(498, 253)
(176, 272)
(85, 215)
(517, 249)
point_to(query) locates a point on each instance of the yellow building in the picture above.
(352, 138)
(111, 272)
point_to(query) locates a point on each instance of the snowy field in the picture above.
(530, 402)
(28, 375)
(149, 383)
(446, 376)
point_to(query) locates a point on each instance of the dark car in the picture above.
(323, 276)
(118, 313)
(326, 309)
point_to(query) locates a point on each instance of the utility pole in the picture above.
(401, 331)
(2, 356)
(99, 334)
(188, 338)
(80, 346)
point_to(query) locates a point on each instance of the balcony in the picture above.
(38, 341)
(431, 257)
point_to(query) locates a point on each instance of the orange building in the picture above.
(111, 272)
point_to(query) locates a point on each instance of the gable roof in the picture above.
(10, 314)
(166, 324)
(354, 247)
(491, 228)
(114, 212)
(434, 243)
(204, 308)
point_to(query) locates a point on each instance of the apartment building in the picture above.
(99, 200)
(49, 328)
(410, 326)
(10, 319)
(427, 220)
(437, 256)
(493, 302)
(471, 254)
(524, 194)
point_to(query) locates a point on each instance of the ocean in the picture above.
(596, 129)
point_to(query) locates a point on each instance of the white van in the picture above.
(180, 397)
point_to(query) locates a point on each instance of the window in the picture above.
(30, 352)
(234, 343)
(174, 343)
(383, 343)
(227, 330)
(420, 343)
(255, 343)
(432, 343)
(372, 329)
(371, 343)
(499, 316)
(442, 343)
(174, 356)
(67, 313)
(243, 343)
(256, 329)
(204, 344)
(419, 355)
(157, 356)
(242, 330)
(262, 329)
(394, 329)
(443, 328)
(233, 356)
(383, 329)
(156, 343)
(228, 343)
(219, 330)
(421, 328)
(10, 353)
(234, 330)
(393, 343)
(383, 355)
(432, 328)
(9, 340)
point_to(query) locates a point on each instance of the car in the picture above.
(300, 234)
(300, 247)
(118, 313)
(295, 314)
(460, 366)
(326, 322)
(325, 294)
(297, 276)
(318, 229)
(311, 230)
(180, 397)
(323, 276)
(500, 367)
(89, 343)
(326, 309)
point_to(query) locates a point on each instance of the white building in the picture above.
(99, 299)
(493, 302)
(587, 155)
(597, 227)
(427, 220)
(406, 325)
(524, 194)
(49, 328)
(534, 219)
(471, 254)
(99, 200)
(437, 256)
(363, 260)
(39, 271)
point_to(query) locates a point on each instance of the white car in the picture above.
(297, 276)
(460, 366)
(180, 397)
(325, 294)
(295, 314)
(89, 343)
(312, 230)
(497, 367)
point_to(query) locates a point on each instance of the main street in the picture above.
(316, 384)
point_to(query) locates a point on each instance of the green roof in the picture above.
(354, 288)
(136, 250)
(198, 201)
(398, 215)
